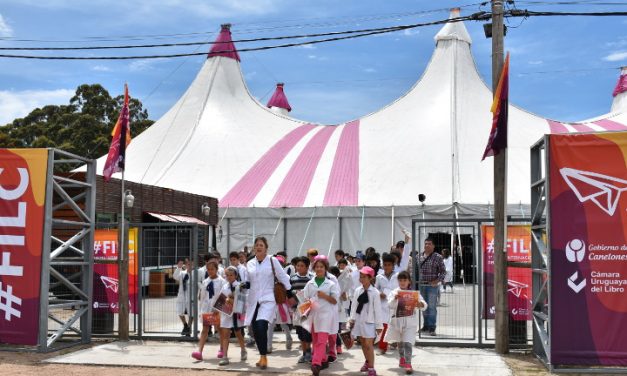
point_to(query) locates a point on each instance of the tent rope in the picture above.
(277, 227)
(337, 218)
(302, 243)
(361, 231)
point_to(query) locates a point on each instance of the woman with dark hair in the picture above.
(261, 305)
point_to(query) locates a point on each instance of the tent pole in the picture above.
(392, 234)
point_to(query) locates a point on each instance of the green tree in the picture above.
(82, 127)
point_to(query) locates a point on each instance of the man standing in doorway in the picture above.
(432, 273)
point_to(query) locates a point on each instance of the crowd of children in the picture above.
(359, 294)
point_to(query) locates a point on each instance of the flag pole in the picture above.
(123, 324)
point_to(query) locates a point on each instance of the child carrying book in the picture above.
(366, 319)
(233, 322)
(298, 281)
(322, 292)
(212, 286)
(403, 325)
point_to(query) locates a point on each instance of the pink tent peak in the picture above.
(279, 99)
(223, 45)
(621, 85)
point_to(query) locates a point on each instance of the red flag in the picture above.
(498, 135)
(121, 138)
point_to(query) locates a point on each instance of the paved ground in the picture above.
(427, 361)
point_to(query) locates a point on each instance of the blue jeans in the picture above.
(430, 294)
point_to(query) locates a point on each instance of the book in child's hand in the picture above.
(407, 303)
(300, 295)
(347, 339)
(223, 305)
(304, 308)
(211, 318)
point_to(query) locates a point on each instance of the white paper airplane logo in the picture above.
(110, 283)
(575, 250)
(515, 287)
(576, 287)
(603, 190)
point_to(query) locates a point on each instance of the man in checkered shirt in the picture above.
(432, 272)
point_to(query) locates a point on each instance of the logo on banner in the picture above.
(603, 190)
(110, 283)
(576, 287)
(516, 287)
(575, 250)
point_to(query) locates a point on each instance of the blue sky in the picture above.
(562, 67)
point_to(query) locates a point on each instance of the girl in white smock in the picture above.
(208, 296)
(233, 322)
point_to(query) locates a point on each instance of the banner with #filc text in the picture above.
(22, 197)
(588, 235)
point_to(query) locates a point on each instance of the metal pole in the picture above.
(501, 323)
(123, 274)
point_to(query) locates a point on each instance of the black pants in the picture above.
(260, 332)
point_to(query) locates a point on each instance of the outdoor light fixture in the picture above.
(206, 209)
(422, 197)
(487, 30)
(129, 199)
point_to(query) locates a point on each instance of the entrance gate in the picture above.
(463, 317)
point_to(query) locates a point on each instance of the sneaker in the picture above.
(408, 369)
(184, 331)
(401, 362)
(423, 330)
(382, 352)
(243, 355)
(432, 333)
(331, 359)
(288, 343)
(315, 370)
(302, 359)
(197, 355)
(338, 350)
(224, 362)
(220, 354)
(372, 372)
(308, 358)
(364, 368)
(325, 365)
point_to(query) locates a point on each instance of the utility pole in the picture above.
(501, 322)
(123, 273)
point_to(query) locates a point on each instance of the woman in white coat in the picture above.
(261, 305)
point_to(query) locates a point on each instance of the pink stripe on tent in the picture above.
(557, 127)
(246, 189)
(582, 127)
(343, 186)
(610, 125)
(294, 188)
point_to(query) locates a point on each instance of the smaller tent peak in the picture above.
(279, 100)
(223, 45)
(620, 92)
(453, 30)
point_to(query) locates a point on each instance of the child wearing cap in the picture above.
(366, 318)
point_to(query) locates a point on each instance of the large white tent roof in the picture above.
(217, 140)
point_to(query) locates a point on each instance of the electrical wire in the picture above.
(362, 33)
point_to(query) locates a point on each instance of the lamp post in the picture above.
(123, 303)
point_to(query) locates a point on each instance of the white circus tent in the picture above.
(352, 185)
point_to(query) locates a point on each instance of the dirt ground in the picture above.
(30, 363)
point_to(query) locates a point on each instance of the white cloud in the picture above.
(411, 32)
(535, 62)
(369, 70)
(307, 46)
(15, 104)
(101, 68)
(143, 64)
(5, 29)
(616, 56)
(316, 57)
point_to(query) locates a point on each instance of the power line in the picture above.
(354, 34)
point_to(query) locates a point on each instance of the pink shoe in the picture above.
(220, 354)
(408, 369)
(372, 372)
(197, 355)
(364, 368)
(401, 362)
(338, 350)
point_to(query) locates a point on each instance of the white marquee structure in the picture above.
(352, 185)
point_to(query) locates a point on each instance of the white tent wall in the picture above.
(241, 225)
